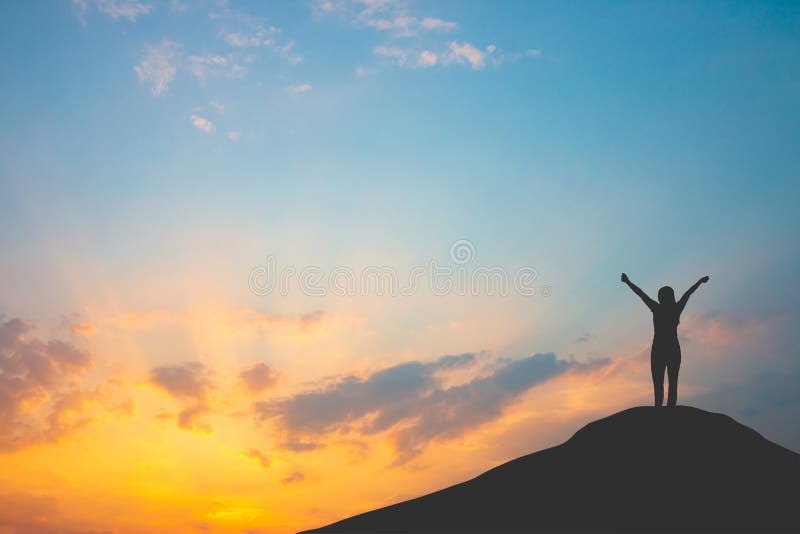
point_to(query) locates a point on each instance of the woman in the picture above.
(666, 351)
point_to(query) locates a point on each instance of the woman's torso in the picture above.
(665, 324)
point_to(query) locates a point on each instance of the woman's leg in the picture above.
(672, 373)
(657, 366)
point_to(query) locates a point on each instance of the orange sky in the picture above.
(124, 437)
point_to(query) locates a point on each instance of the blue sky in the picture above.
(153, 153)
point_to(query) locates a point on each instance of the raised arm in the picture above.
(642, 295)
(685, 297)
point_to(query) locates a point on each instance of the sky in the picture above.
(268, 265)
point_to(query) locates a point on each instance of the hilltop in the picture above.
(640, 470)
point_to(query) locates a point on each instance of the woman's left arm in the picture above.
(685, 297)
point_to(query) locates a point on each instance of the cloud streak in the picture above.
(410, 401)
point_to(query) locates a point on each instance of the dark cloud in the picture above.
(188, 380)
(39, 399)
(258, 377)
(412, 394)
(351, 398)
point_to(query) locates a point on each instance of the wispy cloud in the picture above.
(389, 16)
(454, 53)
(258, 455)
(234, 135)
(203, 67)
(430, 23)
(392, 18)
(242, 35)
(399, 55)
(202, 123)
(77, 326)
(296, 89)
(156, 66)
(116, 9)
(244, 31)
(296, 476)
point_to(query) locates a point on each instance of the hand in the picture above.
(624, 278)
(704, 280)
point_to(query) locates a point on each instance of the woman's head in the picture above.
(666, 295)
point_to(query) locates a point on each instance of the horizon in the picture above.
(269, 266)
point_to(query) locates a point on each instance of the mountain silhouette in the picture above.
(642, 470)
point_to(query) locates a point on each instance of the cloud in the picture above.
(258, 377)
(430, 23)
(116, 9)
(454, 53)
(40, 399)
(185, 380)
(301, 446)
(427, 58)
(401, 24)
(79, 328)
(296, 476)
(351, 398)
(208, 66)
(260, 38)
(234, 135)
(383, 15)
(156, 66)
(362, 72)
(296, 89)
(243, 31)
(399, 55)
(194, 418)
(159, 63)
(466, 52)
(190, 384)
(201, 123)
(411, 401)
(258, 455)
(499, 58)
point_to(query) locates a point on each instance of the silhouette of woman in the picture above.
(666, 351)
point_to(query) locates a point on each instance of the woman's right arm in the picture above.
(636, 289)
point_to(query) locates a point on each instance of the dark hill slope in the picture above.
(641, 470)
